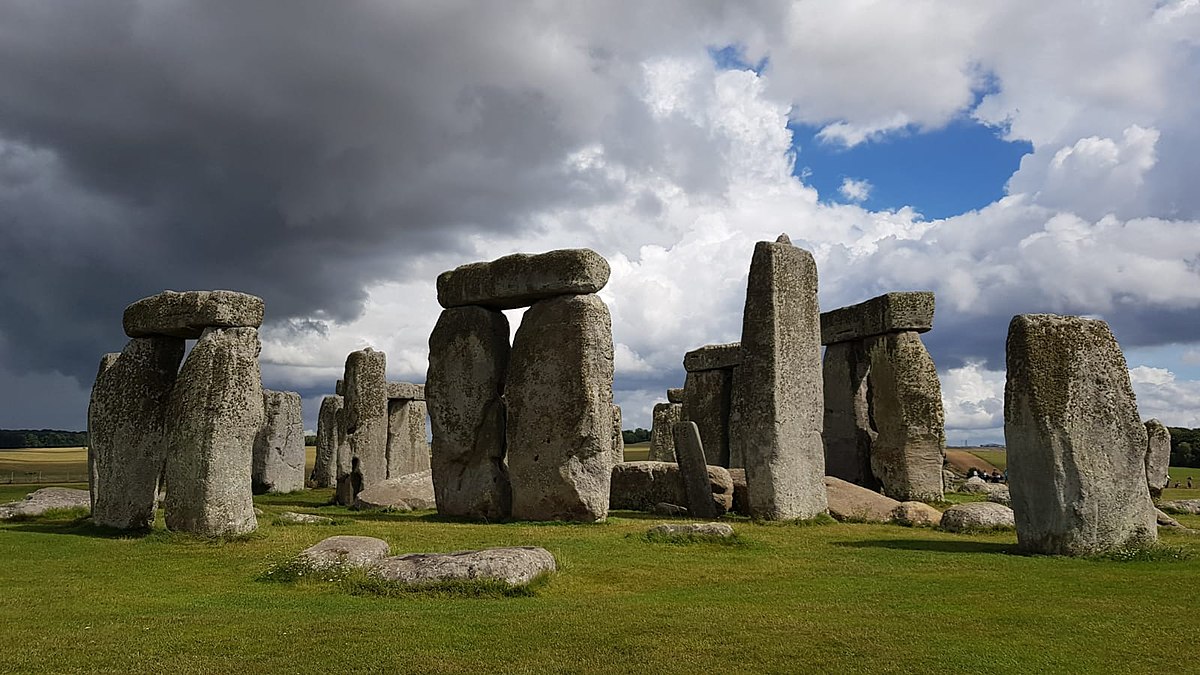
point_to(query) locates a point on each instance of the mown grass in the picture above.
(829, 598)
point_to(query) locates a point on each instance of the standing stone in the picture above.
(127, 421)
(848, 430)
(910, 449)
(1076, 446)
(215, 413)
(706, 400)
(106, 362)
(407, 449)
(365, 415)
(324, 473)
(279, 448)
(468, 360)
(662, 432)
(1158, 457)
(559, 395)
(618, 437)
(778, 405)
(689, 447)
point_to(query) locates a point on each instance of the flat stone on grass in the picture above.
(40, 501)
(1186, 506)
(692, 529)
(345, 551)
(515, 566)
(293, 518)
(412, 492)
(977, 516)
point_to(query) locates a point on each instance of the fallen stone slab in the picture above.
(1000, 494)
(699, 529)
(413, 492)
(888, 313)
(521, 279)
(713, 357)
(977, 516)
(293, 518)
(848, 501)
(516, 566)
(40, 501)
(665, 509)
(974, 485)
(1167, 521)
(1184, 506)
(345, 551)
(187, 314)
(675, 395)
(916, 514)
(638, 486)
(405, 391)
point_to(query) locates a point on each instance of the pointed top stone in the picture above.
(783, 239)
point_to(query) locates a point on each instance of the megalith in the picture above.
(662, 431)
(279, 448)
(365, 419)
(407, 449)
(618, 447)
(215, 413)
(106, 362)
(693, 467)
(849, 429)
(777, 410)
(324, 473)
(1158, 456)
(1076, 446)
(188, 314)
(707, 394)
(522, 279)
(468, 361)
(675, 395)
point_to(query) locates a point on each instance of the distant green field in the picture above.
(63, 465)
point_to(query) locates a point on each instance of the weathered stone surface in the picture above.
(468, 362)
(1163, 520)
(186, 315)
(848, 433)
(516, 566)
(407, 449)
(127, 417)
(40, 501)
(345, 551)
(706, 402)
(662, 432)
(215, 413)
(777, 413)
(976, 516)
(521, 279)
(916, 514)
(324, 473)
(665, 509)
(1185, 506)
(974, 484)
(413, 492)
(106, 362)
(999, 493)
(279, 448)
(293, 518)
(1076, 446)
(340, 387)
(559, 396)
(639, 486)
(888, 313)
(698, 529)
(365, 419)
(675, 395)
(618, 448)
(405, 391)
(713, 357)
(1158, 456)
(909, 449)
(694, 470)
(741, 502)
(855, 503)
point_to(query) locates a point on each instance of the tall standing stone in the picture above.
(324, 473)
(693, 467)
(407, 449)
(216, 411)
(662, 431)
(127, 422)
(468, 360)
(279, 449)
(778, 403)
(1076, 446)
(106, 362)
(848, 430)
(365, 415)
(1158, 457)
(618, 437)
(559, 395)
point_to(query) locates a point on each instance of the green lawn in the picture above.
(997, 458)
(830, 598)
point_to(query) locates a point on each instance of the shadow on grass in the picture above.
(79, 527)
(935, 545)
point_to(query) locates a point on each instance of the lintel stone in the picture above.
(888, 313)
(713, 357)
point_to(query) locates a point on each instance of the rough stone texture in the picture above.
(40, 501)
(1185, 506)
(973, 485)
(516, 566)
(706, 401)
(413, 492)
(671, 510)
(698, 529)
(639, 486)
(127, 418)
(215, 413)
(848, 432)
(888, 313)
(618, 452)
(186, 315)
(405, 391)
(345, 551)
(324, 473)
(916, 514)
(1163, 520)
(279, 448)
(365, 420)
(713, 357)
(848, 501)
(906, 399)
(675, 395)
(662, 432)
(106, 362)
(407, 449)
(976, 516)
(468, 361)
(293, 518)
(559, 395)
(1076, 446)
(1158, 456)
(999, 493)
(741, 502)
(693, 469)
(522, 279)
(340, 387)
(778, 407)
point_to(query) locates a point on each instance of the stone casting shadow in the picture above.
(78, 528)
(936, 545)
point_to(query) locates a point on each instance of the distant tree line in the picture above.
(41, 438)
(1185, 447)
(638, 435)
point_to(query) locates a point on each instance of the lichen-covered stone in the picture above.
(706, 402)
(1158, 456)
(521, 279)
(40, 501)
(694, 470)
(639, 486)
(1188, 506)
(468, 362)
(365, 419)
(1076, 446)
(405, 391)
(186, 315)
(515, 566)
(695, 529)
(916, 514)
(888, 313)
(559, 396)
(293, 518)
(106, 362)
(848, 432)
(345, 551)
(713, 357)
(662, 432)
(675, 395)
(324, 473)
(618, 447)
(279, 448)
(407, 449)
(977, 516)
(413, 492)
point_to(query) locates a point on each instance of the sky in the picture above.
(333, 158)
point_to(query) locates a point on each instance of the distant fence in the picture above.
(41, 477)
